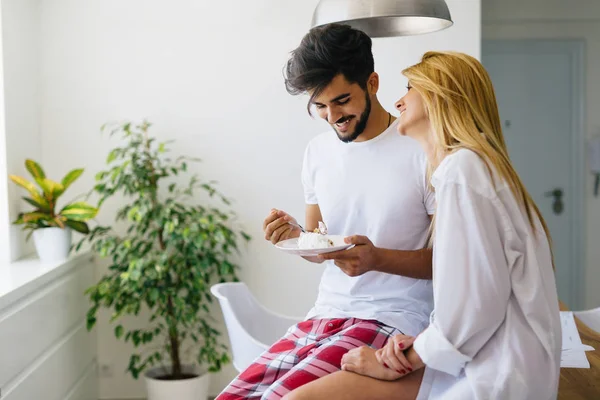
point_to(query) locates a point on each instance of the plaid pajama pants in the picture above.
(308, 351)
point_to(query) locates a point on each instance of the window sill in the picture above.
(25, 276)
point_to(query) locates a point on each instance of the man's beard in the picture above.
(360, 125)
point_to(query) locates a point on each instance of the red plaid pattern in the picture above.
(309, 350)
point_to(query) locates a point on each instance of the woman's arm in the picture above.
(471, 278)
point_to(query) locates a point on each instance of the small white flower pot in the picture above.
(52, 244)
(195, 388)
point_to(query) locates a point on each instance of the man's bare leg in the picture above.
(344, 385)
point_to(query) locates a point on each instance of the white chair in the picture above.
(252, 328)
(590, 317)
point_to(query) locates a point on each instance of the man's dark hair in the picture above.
(325, 52)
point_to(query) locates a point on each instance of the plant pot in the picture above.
(195, 388)
(52, 244)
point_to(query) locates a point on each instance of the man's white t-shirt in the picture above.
(378, 189)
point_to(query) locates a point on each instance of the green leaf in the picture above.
(52, 190)
(46, 189)
(41, 206)
(35, 169)
(90, 322)
(35, 217)
(71, 177)
(135, 275)
(136, 338)
(101, 175)
(30, 187)
(119, 331)
(112, 156)
(147, 337)
(133, 361)
(154, 293)
(79, 211)
(78, 226)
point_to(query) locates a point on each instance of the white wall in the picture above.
(208, 74)
(21, 64)
(576, 19)
(4, 213)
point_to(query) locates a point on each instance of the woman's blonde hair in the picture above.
(461, 105)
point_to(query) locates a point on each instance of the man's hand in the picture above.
(357, 260)
(277, 227)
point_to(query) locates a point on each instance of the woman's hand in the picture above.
(394, 355)
(362, 361)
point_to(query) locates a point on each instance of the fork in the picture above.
(297, 225)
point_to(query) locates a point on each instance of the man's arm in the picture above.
(413, 264)
(313, 216)
(364, 257)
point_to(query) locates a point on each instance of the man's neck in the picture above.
(378, 122)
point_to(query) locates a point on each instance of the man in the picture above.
(364, 180)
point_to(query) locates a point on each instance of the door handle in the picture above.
(557, 204)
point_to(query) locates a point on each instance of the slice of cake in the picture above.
(311, 240)
(315, 240)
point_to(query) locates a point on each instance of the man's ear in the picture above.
(373, 83)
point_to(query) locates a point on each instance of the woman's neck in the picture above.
(434, 153)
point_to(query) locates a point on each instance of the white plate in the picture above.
(290, 246)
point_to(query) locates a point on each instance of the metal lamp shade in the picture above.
(385, 18)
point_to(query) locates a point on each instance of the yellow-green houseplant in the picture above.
(51, 226)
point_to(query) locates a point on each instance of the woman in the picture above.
(495, 330)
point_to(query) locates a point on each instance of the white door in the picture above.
(539, 95)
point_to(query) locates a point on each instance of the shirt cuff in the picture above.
(438, 353)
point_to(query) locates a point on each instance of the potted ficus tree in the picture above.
(173, 245)
(51, 229)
